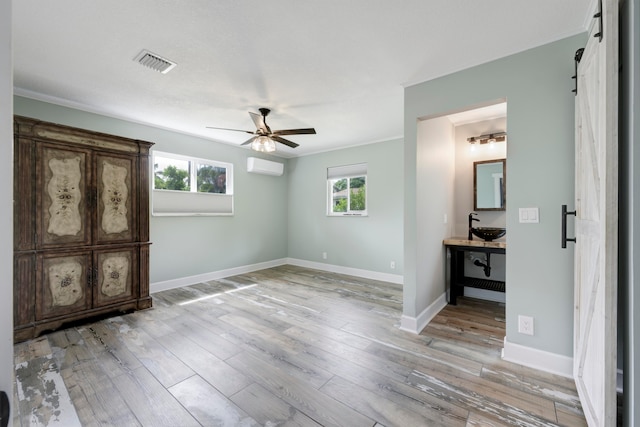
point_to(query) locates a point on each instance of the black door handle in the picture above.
(564, 226)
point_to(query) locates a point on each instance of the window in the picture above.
(347, 190)
(180, 173)
(185, 185)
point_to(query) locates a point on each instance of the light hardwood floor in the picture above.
(285, 346)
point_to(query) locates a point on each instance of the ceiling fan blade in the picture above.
(233, 130)
(260, 123)
(284, 141)
(249, 141)
(295, 131)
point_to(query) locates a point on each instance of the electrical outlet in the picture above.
(324, 255)
(393, 265)
(525, 325)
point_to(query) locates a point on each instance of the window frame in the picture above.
(348, 172)
(194, 162)
(192, 202)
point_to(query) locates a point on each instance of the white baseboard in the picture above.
(214, 275)
(221, 274)
(417, 324)
(538, 359)
(366, 274)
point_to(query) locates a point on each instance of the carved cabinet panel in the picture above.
(71, 282)
(115, 199)
(63, 284)
(62, 196)
(114, 276)
(81, 225)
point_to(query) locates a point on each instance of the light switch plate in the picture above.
(529, 215)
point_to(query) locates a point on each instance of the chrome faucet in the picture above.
(471, 219)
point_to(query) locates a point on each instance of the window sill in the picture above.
(347, 215)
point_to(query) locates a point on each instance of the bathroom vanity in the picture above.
(456, 248)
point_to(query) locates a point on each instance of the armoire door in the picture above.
(63, 283)
(115, 277)
(63, 196)
(115, 182)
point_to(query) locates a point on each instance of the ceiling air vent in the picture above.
(155, 62)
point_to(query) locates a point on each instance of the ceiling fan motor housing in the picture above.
(263, 130)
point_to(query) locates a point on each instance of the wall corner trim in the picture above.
(221, 274)
(366, 274)
(538, 359)
(417, 324)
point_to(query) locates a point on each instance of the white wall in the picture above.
(434, 164)
(6, 193)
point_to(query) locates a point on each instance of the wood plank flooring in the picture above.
(286, 346)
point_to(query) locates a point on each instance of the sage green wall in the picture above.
(537, 86)
(187, 246)
(6, 193)
(368, 243)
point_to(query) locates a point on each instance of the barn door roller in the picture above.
(600, 23)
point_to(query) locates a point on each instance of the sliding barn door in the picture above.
(596, 190)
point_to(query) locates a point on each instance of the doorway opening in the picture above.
(477, 148)
(445, 193)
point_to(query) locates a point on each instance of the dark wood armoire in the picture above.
(81, 225)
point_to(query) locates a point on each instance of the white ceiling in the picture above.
(478, 114)
(339, 66)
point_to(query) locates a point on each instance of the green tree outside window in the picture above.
(349, 195)
(171, 178)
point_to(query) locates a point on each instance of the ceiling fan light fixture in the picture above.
(264, 138)
(263, 144)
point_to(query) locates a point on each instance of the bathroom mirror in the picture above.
(489, 185)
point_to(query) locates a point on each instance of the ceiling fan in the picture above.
(263, 137)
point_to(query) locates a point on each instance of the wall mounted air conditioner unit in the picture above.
(265, 167)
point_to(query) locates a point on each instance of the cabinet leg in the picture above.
(457, 273)
(453, 277)
(145, 303)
